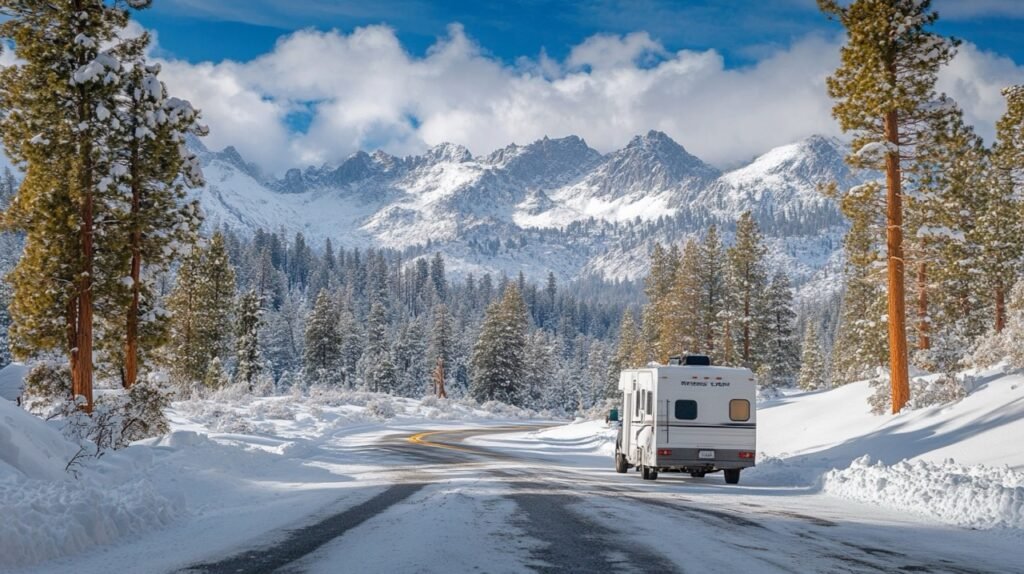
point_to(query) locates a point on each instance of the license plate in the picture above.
(706, 454)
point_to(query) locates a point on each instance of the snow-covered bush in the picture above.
(119, 417)
(48, 390)
(382, 408)
(232, 393)
(766, 394)
(264, 386)
(880, 400)
(925, 391)
(936, 390)
(143, 411)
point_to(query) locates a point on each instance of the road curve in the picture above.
(581, 521)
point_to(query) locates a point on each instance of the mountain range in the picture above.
(553, 205)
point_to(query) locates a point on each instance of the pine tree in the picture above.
(860, 346)
(748, 284)
(946, 242)
(284, 338)
(812, 362)
(352, 340)
(157, 222)
(378, 366)
(1001, 224)
(658, 288)
(885, 91)
(56, 121)
(628, 340)
(248, 324)
(712, 276)
(215, 377)
(321, 358)
(781, 352)
(442, 342)
(410, 358)
(686, 300)
(437, 277)
(499, 361)
(201, 305)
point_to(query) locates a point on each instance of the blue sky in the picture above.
(296, 83)
(742, 30)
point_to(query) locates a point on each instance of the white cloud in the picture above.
(365, 91)
(974, 79)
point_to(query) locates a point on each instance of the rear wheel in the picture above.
(652, 474)
(732, 475)
(620, 463)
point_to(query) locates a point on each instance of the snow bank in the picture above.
(47, 512)
(831, 429)
(45, 519)
(975, 496)
(12, 379)
(29, 448)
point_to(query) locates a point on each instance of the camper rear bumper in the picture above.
(689, 458)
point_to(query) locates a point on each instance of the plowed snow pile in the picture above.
(971, 496)
(47, 512)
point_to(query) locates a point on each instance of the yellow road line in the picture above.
(421, 438)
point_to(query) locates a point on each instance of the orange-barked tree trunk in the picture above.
(81, 352)
(439, 390)
(899, 375)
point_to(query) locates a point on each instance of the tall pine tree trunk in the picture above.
(439, 391)
(924, 341)
(1000, 307)
(81, 353)
(899, 374)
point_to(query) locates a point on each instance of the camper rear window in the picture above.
(686, 410)
(739, 410)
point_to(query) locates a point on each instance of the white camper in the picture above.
(687, 416)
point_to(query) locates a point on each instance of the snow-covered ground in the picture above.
(240, 472)
(232, 470)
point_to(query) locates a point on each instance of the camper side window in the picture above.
(637, 402)
(686, 410)
(739, 410)
(650, 404)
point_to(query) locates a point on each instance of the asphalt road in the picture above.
(585, 522)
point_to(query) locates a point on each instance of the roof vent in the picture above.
(690, 360)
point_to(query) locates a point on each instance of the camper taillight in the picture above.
(746, 454)
(664, 452)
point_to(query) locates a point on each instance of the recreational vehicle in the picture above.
(687, 416)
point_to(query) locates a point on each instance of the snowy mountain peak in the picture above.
(651, 164)
(813, 158)
(447, 152)
(546, 162)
